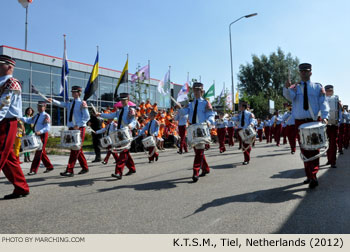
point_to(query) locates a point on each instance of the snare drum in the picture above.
(333, 102)
(313, 135)
(149, 142)
(31, 143)
(198, 134)
(71, 139)
(121, 138)
(105, 142)
(247, 134)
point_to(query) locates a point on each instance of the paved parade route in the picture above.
(266, 196)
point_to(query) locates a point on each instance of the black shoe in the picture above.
(48, 170)
(180, 152)
(292, 152)
(195, 179)
(130, 172)
(104, 162)
(83, 171)
(245, 163)
(341, 152)
(203, 174)
(15, 196)
(31, 173)
(150, 161)
(307, 181)
(313, 183)
(328, 163)
(118, 176)
(157, 158)
(96, 160)
(333, 166)
(67, 174)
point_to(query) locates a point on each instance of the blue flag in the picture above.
(64, 76)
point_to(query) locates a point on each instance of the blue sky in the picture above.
(189, 35)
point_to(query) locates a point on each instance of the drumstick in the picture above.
(178, 104)
(93, 109)
(35, 91)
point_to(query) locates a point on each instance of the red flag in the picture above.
(25, 3)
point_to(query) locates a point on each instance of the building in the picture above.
(44, 72)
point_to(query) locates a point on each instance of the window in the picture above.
(42, 82)
(40, 67)
(77, 74)
(24, 77)
(22, 64)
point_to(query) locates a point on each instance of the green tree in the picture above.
(264, 78)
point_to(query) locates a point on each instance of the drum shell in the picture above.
(71, 139)
(31, 143)
(333, 110)
(198, 134)
(247, 134)
(313, 136)
(105, 142)
(149, 142)
(121, 137)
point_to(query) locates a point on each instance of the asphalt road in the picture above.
(266, 196)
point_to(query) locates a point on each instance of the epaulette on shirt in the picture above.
(12, 84)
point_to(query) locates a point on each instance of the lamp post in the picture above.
(233, 90)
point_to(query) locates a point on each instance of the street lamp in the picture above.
(233, 90)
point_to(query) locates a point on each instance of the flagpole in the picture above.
(99, 88)
(26, 29)
(149, 81)
(169, 90)
(127, 84)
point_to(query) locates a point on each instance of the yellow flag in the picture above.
(237, 98)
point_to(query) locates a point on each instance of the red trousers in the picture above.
(277, 132)
(341, 136)
(221, 138)
(311, 167)
(272, 129)
(284, 134)
(260, 134)
(267, 134)
(125, 159)
(40, 155)
(246, 153)
(114, 154)
(9, 163)
(200, 162)
(155, 154)
(332, 133)
(78, 154)
(231, 132)
(291, 134)
(182, 133)
(346, 135)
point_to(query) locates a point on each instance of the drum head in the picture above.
(311, 125)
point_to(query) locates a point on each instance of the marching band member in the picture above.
(259, 127)
(78, 116)
(221, 125)
(277, 127)
(347, 128)
(245, 119)
(332, 132)
(111, 127)
(267, 129)
(308, 99)
(342, 124)
(152, 128)
(10, 110)
(126, 118)
(182, 124)
(41, 128)
(199, 111)
(231, 132)
(291, 131)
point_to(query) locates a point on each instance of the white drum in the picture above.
(105, 142)
(71, 139)
(313, 136)
(149, 142)
(198, 134)
(121, 138)
(31, 143)
(333, 102)
(247, 135)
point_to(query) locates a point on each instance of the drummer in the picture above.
(288, 119)
(308, 99)
(41, 128)
(199, 111)
(245, 119)
(221, 128)
(126, 118)
(152, 128)
(111, 127)
(78, 116)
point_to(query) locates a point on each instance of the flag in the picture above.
(162, 83)
(229, 100)
(237, 98)
(222, 94)
(25, 3)
(122, 79)
(64, 75)
(141, 75)
(182, 95)
(92, 84)
(210, 92)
